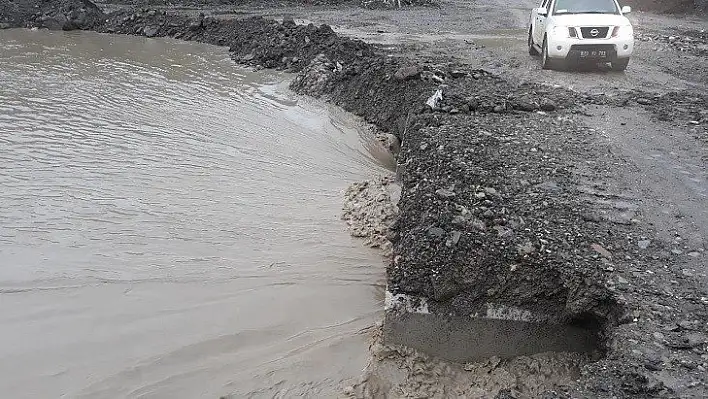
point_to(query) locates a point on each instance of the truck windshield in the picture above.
(585, 7)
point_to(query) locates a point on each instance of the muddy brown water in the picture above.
(169, 226)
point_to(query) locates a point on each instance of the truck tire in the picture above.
(532, 49)
(545, 59)
(548, 62)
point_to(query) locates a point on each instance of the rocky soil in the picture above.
(66, 15)
(667, 6)
(500, 199)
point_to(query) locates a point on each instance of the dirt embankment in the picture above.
(66, 15)
(668, 6)
(490, 210)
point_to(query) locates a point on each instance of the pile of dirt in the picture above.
(227, 3)
(63, 14)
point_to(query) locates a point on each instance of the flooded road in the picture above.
(169, 226)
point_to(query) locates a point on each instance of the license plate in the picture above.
(593, 54)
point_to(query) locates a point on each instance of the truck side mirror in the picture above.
(542, 11)
(626, 9)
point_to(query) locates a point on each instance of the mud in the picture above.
(369, 211)
(508, 196)
(397, 372)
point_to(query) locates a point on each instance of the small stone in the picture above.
(459, 220)
(454, 111)
(479, 225)
(524, 105)
(548, 105)
(477, 76)
(502, 231)
(685, 324)
(653, 361)
(659, 336)
(694, 254)
(696, 339)
(676, 251)
(407, 73)
(490, 190)
(498, 109)
(644, 101)
(687, 273)
(436, 232)
(695, 122)
(444, 193)
(150, 31)
(526, 248)
(289, 22)
(601, 250)
(548, 186)
(644, 244)
(480, 195)
(454, 238)
(458, 74)
(622, 280)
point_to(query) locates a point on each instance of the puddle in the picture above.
(171, 225)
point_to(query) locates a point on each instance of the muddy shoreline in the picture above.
(492, 209)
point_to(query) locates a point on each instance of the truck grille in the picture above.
(600, 32)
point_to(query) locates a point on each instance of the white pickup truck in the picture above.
(565, 31)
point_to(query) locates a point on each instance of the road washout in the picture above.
(490, 211)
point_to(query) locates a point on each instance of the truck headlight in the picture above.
(623, 31)
(560, 31)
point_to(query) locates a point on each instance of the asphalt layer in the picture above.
(580, 195)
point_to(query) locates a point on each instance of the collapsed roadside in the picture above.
(493, 209)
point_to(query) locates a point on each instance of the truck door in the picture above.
(539, 29)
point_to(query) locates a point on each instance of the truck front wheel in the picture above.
(548, 62)
(532, 49)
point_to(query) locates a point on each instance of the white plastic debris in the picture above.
(435, 99)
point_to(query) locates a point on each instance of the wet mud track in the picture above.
(578, 193)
